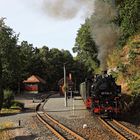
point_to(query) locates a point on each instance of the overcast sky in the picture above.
(27, 18)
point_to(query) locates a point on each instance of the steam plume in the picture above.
(104, 32)
(67, 9)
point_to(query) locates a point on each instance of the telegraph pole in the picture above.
(65, 86)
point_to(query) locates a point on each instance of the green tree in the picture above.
(85, 47)
(56, 60)
(26, 52)
(29, 62)
(37, 65)
(129, 19)
(8, 41)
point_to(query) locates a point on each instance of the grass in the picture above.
(9, 111)
(4, 133)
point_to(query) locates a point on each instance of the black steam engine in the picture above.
(101, 94)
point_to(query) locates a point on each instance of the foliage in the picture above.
(132, 55)
(8, 97)
(122, 67)
(128, 65)
(17, 104)
(135, 103)
(134, 83)
(6, 111)
(126, 60)
(114, 74)
(8, 41)
(85, 47)
(26, 53)
(129, 13)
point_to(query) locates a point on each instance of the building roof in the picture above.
(34, 79)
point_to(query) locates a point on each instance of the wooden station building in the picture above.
(34, 84)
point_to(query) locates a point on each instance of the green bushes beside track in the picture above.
(9, 101)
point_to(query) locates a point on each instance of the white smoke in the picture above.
(104, 32)
(67, 9)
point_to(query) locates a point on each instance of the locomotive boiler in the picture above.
(101, 94)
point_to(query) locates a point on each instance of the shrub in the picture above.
(122, 67)
(129, 19)
(134, 83)
(8, 97)
(17, 104)
(135, 106)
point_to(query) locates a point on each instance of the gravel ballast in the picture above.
(76, 116)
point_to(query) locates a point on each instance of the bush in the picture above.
(135, 103)
(129, 19)
(134, 84)
(17, 104)
(8, 97)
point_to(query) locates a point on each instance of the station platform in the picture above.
(75, 107)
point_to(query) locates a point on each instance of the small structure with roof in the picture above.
(34, 84)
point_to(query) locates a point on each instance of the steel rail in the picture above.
(127, 129)
(78, 137)
(57, 134)
(120, 136)
(53, 130)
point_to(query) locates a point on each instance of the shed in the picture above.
(34, 84)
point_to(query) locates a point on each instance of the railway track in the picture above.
(121, 131)
(60, 131)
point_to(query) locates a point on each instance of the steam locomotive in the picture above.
(101, 94)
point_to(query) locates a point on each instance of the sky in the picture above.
(27, 18)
